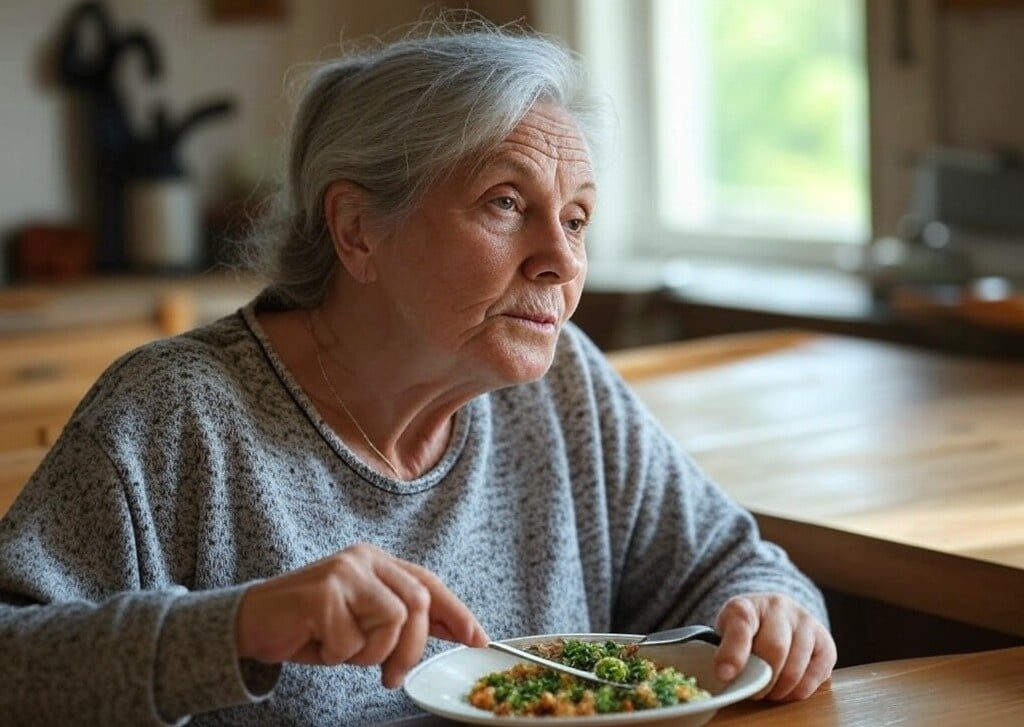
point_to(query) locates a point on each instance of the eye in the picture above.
(504, 202)
(577, 224)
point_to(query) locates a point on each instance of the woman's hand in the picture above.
(358, 606)
(798, 647)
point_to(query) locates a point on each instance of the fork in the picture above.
(659, 638)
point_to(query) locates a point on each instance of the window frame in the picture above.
(628, 222)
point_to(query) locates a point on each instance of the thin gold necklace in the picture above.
(327, 380)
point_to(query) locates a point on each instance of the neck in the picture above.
(402, 398)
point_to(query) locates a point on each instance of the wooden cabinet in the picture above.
(55, 342)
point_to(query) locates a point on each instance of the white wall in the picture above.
(201, 60)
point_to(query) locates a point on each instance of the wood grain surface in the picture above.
(974, 690)
(979, 690)
(869, 462)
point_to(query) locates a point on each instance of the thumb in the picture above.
(738, 623)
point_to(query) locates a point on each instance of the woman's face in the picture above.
(491, 265)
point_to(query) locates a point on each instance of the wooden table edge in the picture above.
(646, 362)
(909, 576)
(870, 685)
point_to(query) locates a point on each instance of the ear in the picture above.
(347, 212)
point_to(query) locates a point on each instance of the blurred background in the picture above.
(815, 167)
(851, 165)
(848, 166)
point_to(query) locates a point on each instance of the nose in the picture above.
(554, 257)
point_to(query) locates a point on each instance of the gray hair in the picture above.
(397, 119)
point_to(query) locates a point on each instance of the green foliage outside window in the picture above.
(788, 107)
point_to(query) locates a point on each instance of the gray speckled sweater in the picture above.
(196, 465)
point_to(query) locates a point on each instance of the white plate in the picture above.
(440, 684)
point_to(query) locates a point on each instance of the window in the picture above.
(743, 124)
(761, 117)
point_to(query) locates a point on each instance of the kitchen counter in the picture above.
(99, 301)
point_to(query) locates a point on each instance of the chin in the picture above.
(517, 362)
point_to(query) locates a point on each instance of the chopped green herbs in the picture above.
(612, 669)
(528, 689)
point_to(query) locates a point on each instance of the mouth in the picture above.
(537, 321)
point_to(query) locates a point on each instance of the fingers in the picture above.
(439, 630)
(360, 606)
(380, 615)
(450, 618)
(408, 652)
(407, 602)
(738, 622)
(794, 643)
(796, 662)
(773, 643)
(293, 618)
(823, 659)
(339, 638)
(413, 638)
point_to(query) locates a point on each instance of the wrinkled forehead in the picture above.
(546, 139)
(550, 131)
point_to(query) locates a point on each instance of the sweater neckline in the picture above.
(429, 479)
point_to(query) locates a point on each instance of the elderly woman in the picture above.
(402, 437)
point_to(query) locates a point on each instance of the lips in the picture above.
(545, 319)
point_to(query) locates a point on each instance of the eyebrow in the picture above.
(521, 168)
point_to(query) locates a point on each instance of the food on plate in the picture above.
(534, 690)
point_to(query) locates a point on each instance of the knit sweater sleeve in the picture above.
(682, 547)
(82, 642)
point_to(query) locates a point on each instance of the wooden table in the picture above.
(980, 690)
(969, 689)
(886, 472)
